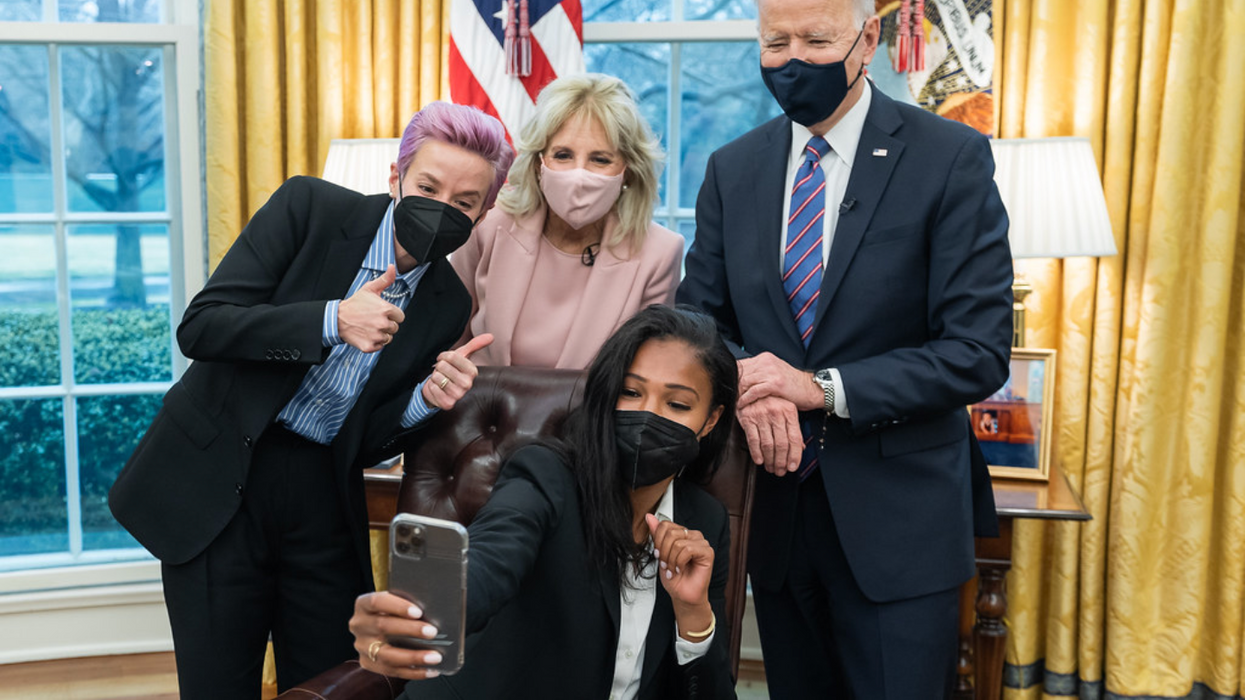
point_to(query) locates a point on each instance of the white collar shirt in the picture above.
(636, 614)
(836, 166)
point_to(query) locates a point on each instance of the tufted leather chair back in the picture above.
(451, 464)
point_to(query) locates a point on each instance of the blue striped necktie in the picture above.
(801, 268)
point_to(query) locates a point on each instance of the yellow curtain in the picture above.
(1147, 599)
(284, 77)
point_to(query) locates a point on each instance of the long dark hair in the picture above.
(604, 492)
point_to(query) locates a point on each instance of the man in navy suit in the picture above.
(855, 252)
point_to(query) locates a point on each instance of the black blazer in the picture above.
(543, 624)
(254, 331)
(914, 311)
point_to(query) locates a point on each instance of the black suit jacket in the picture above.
(542, 623)
(914, 311)
(253, 332)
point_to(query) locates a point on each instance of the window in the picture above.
(695, 68)
(100, 239)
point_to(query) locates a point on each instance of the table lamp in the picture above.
(361, 164)
(1054, 200)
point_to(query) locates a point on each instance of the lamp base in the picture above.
(1020, 290)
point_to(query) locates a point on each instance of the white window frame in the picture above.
(675, 32)
(110, 600)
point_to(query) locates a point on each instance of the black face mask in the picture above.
(652, 448)
(810, 92)
(428, 229)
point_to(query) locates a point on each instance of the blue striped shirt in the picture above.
(330, 390)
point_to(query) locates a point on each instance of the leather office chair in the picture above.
(452, 463)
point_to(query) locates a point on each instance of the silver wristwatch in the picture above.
(823, 379)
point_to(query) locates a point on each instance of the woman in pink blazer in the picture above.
(571, 251)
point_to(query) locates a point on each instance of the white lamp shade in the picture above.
(1053, 196)
(361, 164)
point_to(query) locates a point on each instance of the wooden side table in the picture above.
(983, 601)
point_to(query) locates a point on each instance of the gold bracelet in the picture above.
(713, 622)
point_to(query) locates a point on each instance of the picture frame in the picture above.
(1014, 425)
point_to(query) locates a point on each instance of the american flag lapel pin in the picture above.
(879, 153)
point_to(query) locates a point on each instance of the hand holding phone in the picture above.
(381, 614)
(428, 567)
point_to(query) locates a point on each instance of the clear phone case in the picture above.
(428, 566)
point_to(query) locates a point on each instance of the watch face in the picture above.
(822, 375)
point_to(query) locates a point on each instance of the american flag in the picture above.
(502, 52)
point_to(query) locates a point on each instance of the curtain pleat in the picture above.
(263, 135)
(300, 94)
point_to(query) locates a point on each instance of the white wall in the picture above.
(82, 611)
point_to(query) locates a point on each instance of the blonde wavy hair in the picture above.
(611, 103)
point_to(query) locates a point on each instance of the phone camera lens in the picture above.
(404, 531)
(403, 548)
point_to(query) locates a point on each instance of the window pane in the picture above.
(119, 287)
(629, 10)
(109, 10)
(723, 97)
(25, 130)
(114, 127)
(32, 478)
(21, 10)
(717, 9)
(29, 332)
(646, 69)
(109, 428)
(687, 229)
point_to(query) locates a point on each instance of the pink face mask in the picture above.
(579, 197)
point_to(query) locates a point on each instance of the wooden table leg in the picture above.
(964, 664)
(994, 559)
(990, 634)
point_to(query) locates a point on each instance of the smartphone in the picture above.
(428, 566)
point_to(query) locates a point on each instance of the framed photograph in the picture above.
(1014, 425)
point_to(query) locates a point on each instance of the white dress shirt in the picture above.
(636, 614)
(836, 166)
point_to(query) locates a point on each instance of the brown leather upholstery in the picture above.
(452, 463)
(450, 469)
(348, 680)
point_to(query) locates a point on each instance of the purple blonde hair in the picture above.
(462, 126)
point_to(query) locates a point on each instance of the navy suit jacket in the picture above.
(253, 332)
(914, 311)
(543, 622)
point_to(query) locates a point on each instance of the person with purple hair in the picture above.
(312, 344)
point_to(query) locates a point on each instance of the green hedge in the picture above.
(110, 346)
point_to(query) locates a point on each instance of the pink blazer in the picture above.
(496, 265)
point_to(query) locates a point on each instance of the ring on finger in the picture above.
(444, 380)
(373, 649)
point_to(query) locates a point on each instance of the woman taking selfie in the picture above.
(571, 251)
(597, 567)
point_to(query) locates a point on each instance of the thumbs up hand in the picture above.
(454, 373)
(366, 320)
